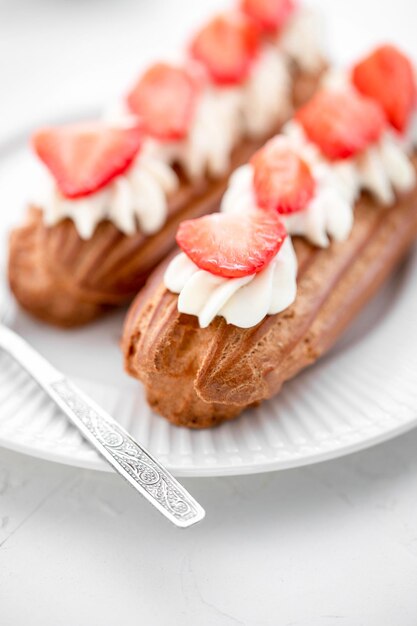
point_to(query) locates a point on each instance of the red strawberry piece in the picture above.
(387, 76)
(164, 99)
(342, 123)
(85, 157)
(283, 181)
(232, 245)
(269, 15)
(227, 46)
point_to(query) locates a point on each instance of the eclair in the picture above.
(116, 189)
(307, 232)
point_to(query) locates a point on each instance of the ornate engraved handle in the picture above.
(112, 441)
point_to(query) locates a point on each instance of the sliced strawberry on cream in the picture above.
(282, 179)
(341, 123)
(308, 193)
(350, 128)
(241, 267)
(164, 99)
(227, 47)
(387, 76)
(83, 158)
(305, 194)
(232, 246)
(269, 15)
(98, 172)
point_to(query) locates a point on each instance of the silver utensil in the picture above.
(141, 470)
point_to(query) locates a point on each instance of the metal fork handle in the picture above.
(141, 470)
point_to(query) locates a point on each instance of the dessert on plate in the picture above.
(116, 189)
(307, 232)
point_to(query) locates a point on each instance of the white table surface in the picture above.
(327, 545)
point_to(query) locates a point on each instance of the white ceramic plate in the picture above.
(363, 392)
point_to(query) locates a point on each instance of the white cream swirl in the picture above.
(384, 169)
(215, 130)
(137, 198)
(243, 302)
(266, 98)
(328, 214)
(302, 39)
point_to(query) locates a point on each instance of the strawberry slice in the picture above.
(232, 245)
(84, 157)
(269, 15)
(282, 180)
(387, 76)
(342, 123)
(227, 46)
(164, 99)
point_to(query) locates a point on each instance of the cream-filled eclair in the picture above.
(223, 324)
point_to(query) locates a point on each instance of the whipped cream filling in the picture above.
(243, 302)
(267, 95)
(328, 214)
(384, 169)
(216, 128)
(136, 199)
(302, 39)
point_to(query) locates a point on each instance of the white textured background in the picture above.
(330, 545)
